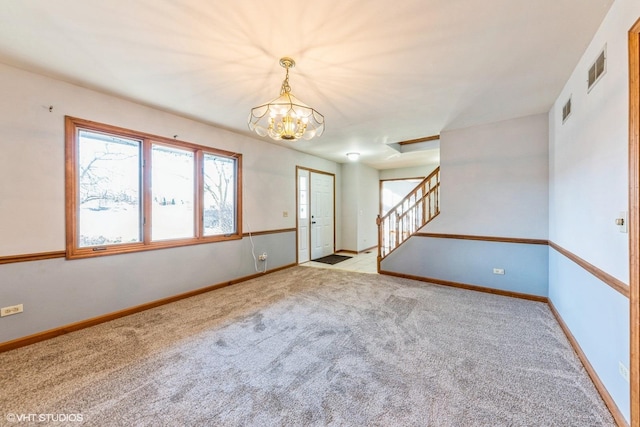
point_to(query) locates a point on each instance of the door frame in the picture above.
(310, 170)
(634, 220)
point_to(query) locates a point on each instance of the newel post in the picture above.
(379, 224)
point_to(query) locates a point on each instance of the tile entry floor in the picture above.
(364, 262)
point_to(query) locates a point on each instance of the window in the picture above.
(127, 191)
(108, 190)
(303, 204)
(219, 195)
(172, 192)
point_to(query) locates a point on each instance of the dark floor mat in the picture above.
(332, 259)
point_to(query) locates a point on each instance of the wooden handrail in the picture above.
(413, 212)
(416, 203)
(414, 191)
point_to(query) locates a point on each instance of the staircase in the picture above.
(419, 207)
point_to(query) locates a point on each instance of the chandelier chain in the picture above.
(285, 84)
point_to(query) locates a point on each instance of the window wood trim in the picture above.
(73, 251)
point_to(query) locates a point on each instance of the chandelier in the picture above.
(286, 117)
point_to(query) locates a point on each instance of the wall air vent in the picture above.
(597, 69)
(566, 110)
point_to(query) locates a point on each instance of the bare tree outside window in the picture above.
(172, 185)
(109, 189)
(130, 191)
(219, 195)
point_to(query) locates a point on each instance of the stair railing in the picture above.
(413, 212)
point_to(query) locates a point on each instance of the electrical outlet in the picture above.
(624, 372)
(14, 309)
(498, 271)
(621, 222)
(263, 257)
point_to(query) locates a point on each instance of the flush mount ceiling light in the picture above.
(353, 156)
(286, 117)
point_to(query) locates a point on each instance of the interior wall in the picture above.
(368, 207)
(493, 182)
(349, 213)
(471, 262)
(588, 189)
(360, 203)
(589, 173)
(32, 208)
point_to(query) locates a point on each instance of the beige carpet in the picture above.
(308, 346)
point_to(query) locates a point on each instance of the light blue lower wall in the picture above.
(58, 292)
(472, 262)
(598, 317)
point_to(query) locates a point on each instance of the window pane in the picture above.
(173, 193)
(219, 195)
(302, 192)
(109, 189)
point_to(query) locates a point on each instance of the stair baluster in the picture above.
(413, 212)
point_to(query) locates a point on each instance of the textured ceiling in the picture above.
(380, 71)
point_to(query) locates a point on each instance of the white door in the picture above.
(304, 218)
(321, 210)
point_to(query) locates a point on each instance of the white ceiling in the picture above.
(380, 71)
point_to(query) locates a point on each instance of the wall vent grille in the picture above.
(597, 69)
(566, 110)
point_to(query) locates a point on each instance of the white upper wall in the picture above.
(412, 172)
(349, 212)
(360, 205)
(588, 153)
(494, 180)
(368, 207)
(32, 204)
